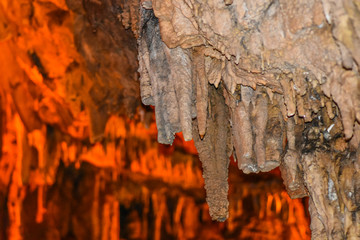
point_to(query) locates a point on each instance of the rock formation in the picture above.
(289, 74)
(270, 83)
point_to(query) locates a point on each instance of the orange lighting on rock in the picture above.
(73, 164)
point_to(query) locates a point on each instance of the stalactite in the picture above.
(214, 68)
(242, 132)
(260, 117)
(181, 75)
(291, 169)
(166, 81)
(289, 95)
(214, 152)
(201, 88)
(274, 135)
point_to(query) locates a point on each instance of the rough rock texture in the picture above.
(214, 150)
(291, 74)
(73, 166)
(172, 88)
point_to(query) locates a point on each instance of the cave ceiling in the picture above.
(273, 83)
(270, 83)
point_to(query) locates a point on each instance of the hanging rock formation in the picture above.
(73, 165)
(289, 74)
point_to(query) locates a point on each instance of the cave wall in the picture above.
(56, 101)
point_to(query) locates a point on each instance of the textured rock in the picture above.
(242, 132)
(291, 168)
(214, 150)
(290, 71)
(165, 81)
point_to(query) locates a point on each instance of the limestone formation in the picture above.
(214, 149)
(290, 74)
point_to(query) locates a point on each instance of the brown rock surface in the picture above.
(301, 60)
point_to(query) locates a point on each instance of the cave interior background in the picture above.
(256, 84)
